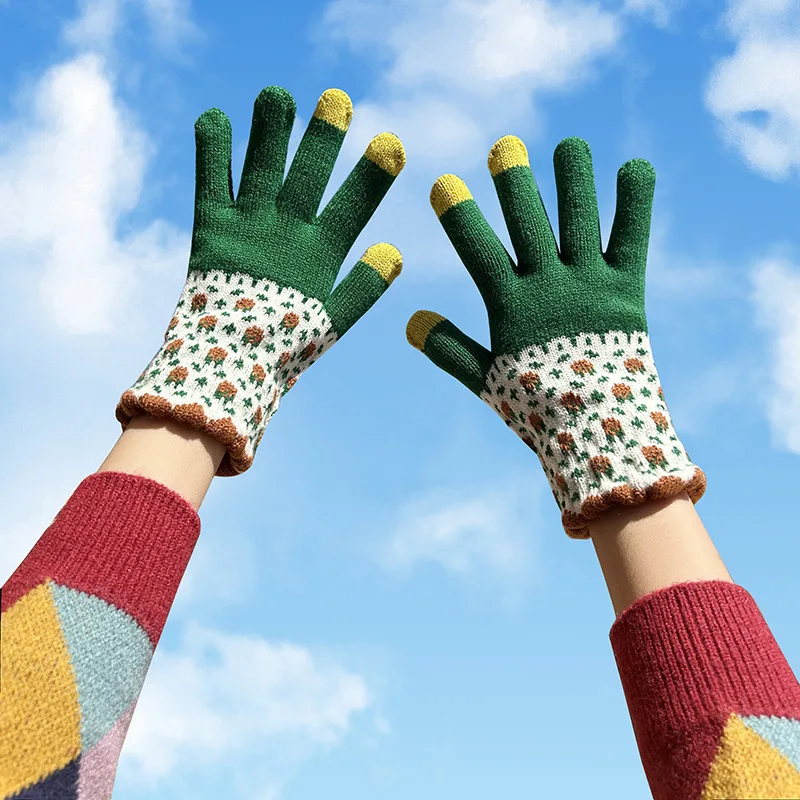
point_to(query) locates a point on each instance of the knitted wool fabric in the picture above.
(259, 305)
(570, 368)
(81, 618)
(714, 704)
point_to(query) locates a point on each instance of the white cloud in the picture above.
(755, 92)
(100, 21)
(454, 72)
(468, 534)
(96, 25)
(660, 12)
(776, 293)
(170, 21)
(224, 696)
(72, 167)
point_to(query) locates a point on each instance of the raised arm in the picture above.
(83, 613)
(714, 705)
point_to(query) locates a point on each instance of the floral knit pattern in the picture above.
(234, 347)
(592, 409)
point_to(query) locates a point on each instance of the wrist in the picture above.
(180, 458)
(648, 547)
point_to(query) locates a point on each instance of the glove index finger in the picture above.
(359, 196)
(316, 155)
(478, 246)
(523, 209)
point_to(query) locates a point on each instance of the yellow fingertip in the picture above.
(419, 327)
(385, 259)
(448, 191)
(510, 151)
(335, 108)
(387, 151)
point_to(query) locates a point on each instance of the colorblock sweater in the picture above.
(714, 704)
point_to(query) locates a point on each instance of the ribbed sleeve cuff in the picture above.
(689, 656)
(122, 538)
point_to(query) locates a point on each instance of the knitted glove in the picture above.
(570, 369)
(257, 308)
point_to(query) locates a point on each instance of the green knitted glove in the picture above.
(570, 369)
(257, 308)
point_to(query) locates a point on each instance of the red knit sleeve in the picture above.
(80, 620)
(714, 704)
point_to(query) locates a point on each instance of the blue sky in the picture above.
(386, 605)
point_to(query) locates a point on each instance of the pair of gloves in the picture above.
(570, 368)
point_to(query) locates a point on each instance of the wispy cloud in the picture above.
(474, 535)
(755, 92)
(230, 697)
(454, 73)
(660, 12)
(776, 293)
(72, 167)
(100, 21)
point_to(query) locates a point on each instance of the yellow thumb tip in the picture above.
(510, 151)
(387, 151)
(335, 108)
(448, 191)
(385, 259)
(419, 327)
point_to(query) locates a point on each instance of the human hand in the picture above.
(570, 368)
(259, 306)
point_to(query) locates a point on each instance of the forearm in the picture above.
(178, 457)
(645, 548)
(83, 613)
(714, 705)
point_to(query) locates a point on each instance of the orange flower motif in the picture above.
(561, 481)
(660, 420)
(634, 365)
(566, 441)
(537, 423)
(572, 402)
(291, 382)
(207, 323)
(660, 392)
(528, 441)
(308, 351)
(621, 391)
(172, 323)
(258, 416)
(258, 374)
(226, 390)
(655, 455)
(600, 465)
(253, 335)
(530, 381)
(178, 375)
(612, 427)
(199, 301)
(582, 367)
(217, 355)
(290, 321)
(244, 304)
(505, 408)
(174, 346)
(284, 358)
